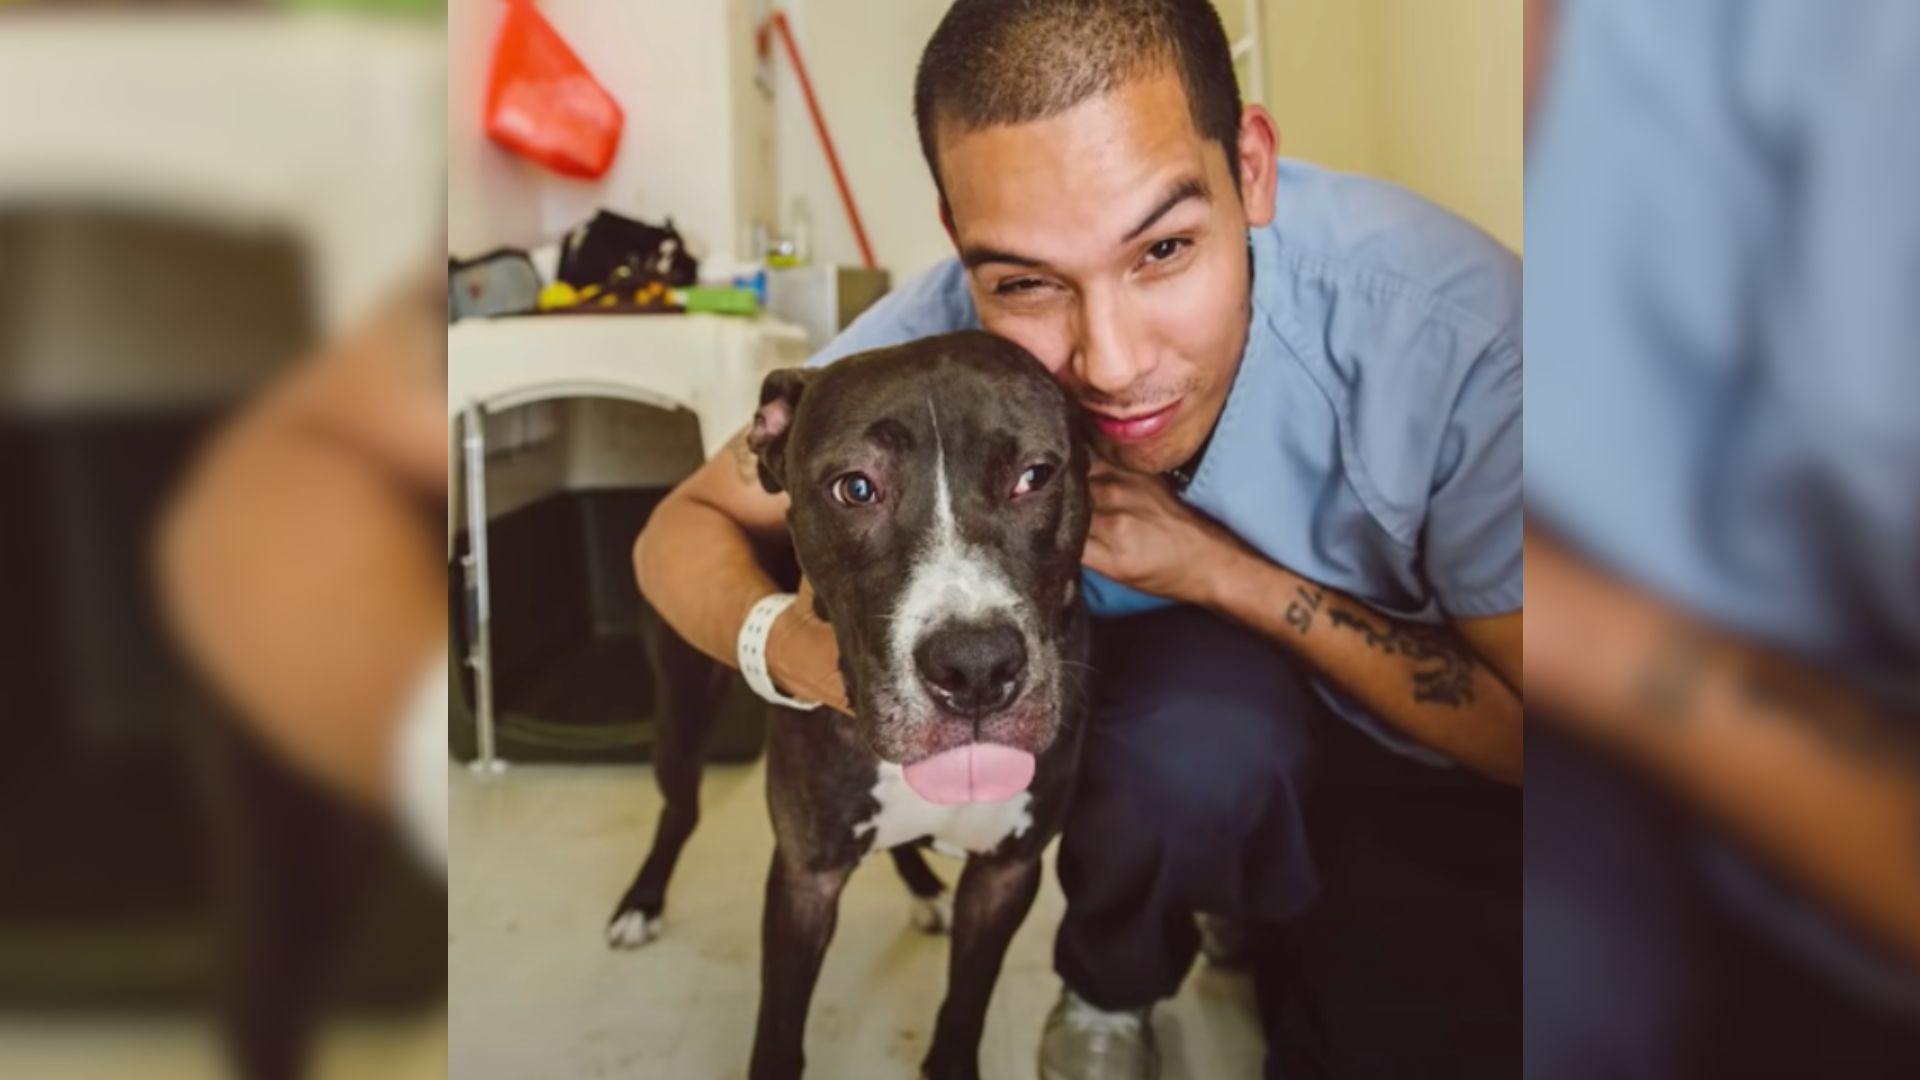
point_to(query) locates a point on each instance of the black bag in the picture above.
(612, 250)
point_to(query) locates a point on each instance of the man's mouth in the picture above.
(1136, 427)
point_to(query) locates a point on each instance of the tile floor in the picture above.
(540, 855)
(154, 1048)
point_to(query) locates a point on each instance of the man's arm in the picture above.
(696, 564)
(1811, 774)
(293, 567)
(1424, 680)
(1499, 641)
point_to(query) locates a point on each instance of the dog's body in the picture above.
(939, 508)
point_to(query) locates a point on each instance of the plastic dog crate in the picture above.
(579, 660)
(566, 432)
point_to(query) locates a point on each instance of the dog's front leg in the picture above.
(802, 905)
(989, 904)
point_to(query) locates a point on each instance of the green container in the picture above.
(718, 300)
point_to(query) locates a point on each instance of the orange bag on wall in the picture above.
(543, 103)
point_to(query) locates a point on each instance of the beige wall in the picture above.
(1323, 59)
(1422, 92)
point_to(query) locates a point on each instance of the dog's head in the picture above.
(939, 507)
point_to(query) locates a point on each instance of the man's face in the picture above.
(1110, 241)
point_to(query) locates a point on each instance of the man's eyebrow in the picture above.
(979, 256)
(1190, 188)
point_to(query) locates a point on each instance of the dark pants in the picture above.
(1191, 798)
(1409, 965)
(1389, 940)
(1638, 964)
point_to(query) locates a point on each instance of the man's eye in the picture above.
(1032, 479)
(856, 489)
(1162, 250)
(1018, 285)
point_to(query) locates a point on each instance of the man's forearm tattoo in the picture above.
(1668, 686)
(1689, 662)
(1444, 675)
(1869, 733)
(1300, 610)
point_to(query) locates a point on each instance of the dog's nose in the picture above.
(972, 670)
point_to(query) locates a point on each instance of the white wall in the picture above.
(680, 69)
(694, 148)
(861, 56)
(492, 196)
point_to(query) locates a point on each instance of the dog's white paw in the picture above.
(931, 915)
(632, 930)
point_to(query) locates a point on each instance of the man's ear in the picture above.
(1259, 146)
(773, 422)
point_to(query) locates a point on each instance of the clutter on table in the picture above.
(607, 265)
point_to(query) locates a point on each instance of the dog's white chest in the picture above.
(905, 816)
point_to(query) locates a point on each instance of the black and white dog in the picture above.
(939, 508)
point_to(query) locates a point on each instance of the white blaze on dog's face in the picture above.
(939, 508)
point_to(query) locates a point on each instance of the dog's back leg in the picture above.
(691, 687)
(932, 906)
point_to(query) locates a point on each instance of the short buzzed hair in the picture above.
(994, 62)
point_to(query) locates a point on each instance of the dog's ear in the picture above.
(773, 422)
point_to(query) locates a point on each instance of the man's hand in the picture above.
(1144, 537)
(804, 656)
(1422, 679)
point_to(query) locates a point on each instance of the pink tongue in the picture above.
(976, 772)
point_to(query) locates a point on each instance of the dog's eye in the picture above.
(856, 489)
(1033, 479)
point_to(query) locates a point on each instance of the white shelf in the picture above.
(711, 365)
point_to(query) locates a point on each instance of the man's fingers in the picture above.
(1095, 558)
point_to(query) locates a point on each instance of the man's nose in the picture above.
(1109, 357)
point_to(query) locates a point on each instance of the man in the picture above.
(1305, 389)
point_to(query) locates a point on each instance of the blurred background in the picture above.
(194, 198)
(1723, 550)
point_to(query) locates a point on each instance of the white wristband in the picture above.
(751, 648)
(420, 768)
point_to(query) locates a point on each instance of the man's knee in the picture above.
(1204, 766)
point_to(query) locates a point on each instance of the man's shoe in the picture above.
(1082, 1042)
